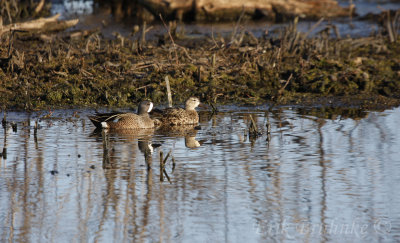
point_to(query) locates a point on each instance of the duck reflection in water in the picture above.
(117, 143)
(189, 132)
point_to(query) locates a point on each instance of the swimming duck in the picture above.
(179, 116)
(125, 120)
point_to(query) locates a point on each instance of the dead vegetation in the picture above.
(16, 10)
(85, 69)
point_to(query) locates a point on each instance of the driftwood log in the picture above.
(211, 10)
(40, 25)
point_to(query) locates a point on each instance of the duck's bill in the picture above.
(203, 105)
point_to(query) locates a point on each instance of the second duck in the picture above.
(179, 116)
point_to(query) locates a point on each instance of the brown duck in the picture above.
(179, 116)
(125, 120)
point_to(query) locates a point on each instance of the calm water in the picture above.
(321, 177)
(90, 19)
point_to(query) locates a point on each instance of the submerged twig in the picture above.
(162, 166)
(4, 124)
(253, 130)
(173, 164)
(268, 126)
(166, 157)
(214, 109)
(4, 121)
(35, 128)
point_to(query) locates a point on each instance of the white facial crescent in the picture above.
(150, 107)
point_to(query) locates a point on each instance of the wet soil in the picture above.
(86, 69)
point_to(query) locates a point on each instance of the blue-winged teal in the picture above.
(179, 116)
(125, 120)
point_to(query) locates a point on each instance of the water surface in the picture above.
(321, 175)
(92, 17)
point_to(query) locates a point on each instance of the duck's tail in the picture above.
(96, 121)
(100, 119)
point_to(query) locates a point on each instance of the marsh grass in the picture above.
(86, 69)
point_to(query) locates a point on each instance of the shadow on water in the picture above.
(310, 174)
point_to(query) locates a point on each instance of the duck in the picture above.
(117, 120)
(179, 116)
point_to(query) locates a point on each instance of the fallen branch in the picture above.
(40, 25)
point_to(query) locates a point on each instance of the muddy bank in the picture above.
(44, 71)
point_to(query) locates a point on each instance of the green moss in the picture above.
(54, 97)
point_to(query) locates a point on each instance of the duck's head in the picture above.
(192, 103)
(145, 107)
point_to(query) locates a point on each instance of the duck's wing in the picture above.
(101, 117)
(98, 118)
(125, 121)
(173, 112)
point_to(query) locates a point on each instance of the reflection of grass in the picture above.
(290, 68)
(334, 112)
